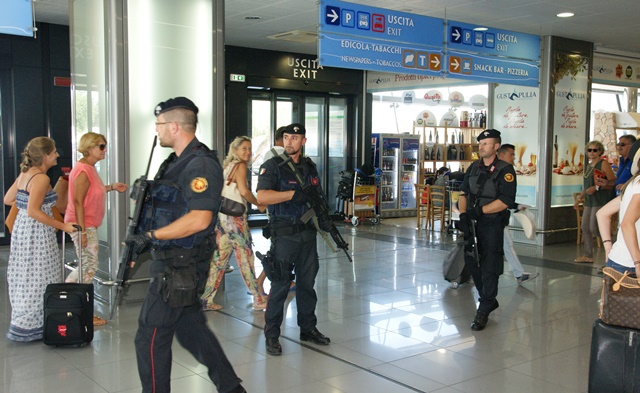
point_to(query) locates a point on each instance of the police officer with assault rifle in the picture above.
(293, 239)
(176, 225)
(487, 191)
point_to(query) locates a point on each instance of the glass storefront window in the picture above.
(606, 98)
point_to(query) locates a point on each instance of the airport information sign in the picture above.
(17, 18)
(367, 38)
(376, 39)
(464, 65)
(466, 37)
(368, 54)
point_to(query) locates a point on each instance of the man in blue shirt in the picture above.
(624, 166)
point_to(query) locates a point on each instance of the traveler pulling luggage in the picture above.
(68, 309)
(615, 359)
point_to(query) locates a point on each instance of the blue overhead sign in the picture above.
(339, 17)
(464, 65)
(376, 39)
(367, 54)
(17, 17)
(466, 37)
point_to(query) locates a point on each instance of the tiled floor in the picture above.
(395, 325)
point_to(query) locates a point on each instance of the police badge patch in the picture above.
(508, 177)
(199, 184)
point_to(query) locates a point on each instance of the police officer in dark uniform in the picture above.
(488, 189)
(293, 242)
(177, 226)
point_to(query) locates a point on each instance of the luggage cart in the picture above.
(364, 203)
(345, 194)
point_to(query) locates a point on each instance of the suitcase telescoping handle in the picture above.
(79, 267)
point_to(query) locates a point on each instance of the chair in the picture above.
(439, 209)
(423, 204)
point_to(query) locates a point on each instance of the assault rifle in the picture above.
(127, 255)
(318, 210)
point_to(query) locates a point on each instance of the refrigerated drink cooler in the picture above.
(397, 157)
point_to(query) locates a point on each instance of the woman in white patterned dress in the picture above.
(34, 259)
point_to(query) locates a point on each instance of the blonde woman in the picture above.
(87, 200)
(232, 233)
(594, 196)
(34, 259)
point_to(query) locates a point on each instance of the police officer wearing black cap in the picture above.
(293, 242)
(488, 189)
(177, 226)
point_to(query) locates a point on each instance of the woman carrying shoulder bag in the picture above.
(232, 231)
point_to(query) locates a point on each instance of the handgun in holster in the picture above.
(274, 270)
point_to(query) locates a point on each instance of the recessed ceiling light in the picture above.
(565, 15)
(253, 17)
(481, 29)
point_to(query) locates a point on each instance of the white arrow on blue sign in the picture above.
(333, 16)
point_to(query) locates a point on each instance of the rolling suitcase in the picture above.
(68, 310)
(614, 365)
(454, 268)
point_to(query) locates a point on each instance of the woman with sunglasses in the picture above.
(87, 199)
(594, 196)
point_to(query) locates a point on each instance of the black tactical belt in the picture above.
(291, 230)
(176, 253)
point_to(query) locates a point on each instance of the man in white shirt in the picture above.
(507, 153)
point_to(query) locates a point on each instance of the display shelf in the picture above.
(445, 145)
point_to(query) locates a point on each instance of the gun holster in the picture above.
(179, 283)
(274, 270)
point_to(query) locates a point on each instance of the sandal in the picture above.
(97, 321)
(583, 259)
(260, 306)
(211, 307)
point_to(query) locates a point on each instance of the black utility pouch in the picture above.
(180, 287)
(266, 231)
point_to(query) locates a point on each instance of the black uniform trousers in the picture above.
(157, 324)
(490, 235)
(301, 250)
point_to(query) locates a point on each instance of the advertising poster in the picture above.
(516, 117)
(569, 129)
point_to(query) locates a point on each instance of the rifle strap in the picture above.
(310, 214)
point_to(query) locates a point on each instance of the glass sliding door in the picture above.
(315, 123)
(337, 145)
(324, 116)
